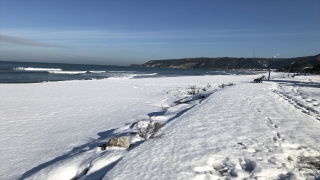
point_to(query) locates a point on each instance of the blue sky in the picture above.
(125, 32)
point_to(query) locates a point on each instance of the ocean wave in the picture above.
(36, 69)
(152, 74)
(67, 72)
(130, 76)
(97, 71)
(49, 70)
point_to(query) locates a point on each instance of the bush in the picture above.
(148, 130)
(221, 86)
(193, 90)
(206, 87)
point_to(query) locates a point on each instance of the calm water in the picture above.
(26, 72)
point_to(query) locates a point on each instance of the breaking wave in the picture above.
(97, 71)
(152, 74)
(36, 69)
(67, 72)
(51, 70)
(130, 76)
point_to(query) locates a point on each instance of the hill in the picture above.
(235, 63)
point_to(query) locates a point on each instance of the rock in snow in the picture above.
(119, 141)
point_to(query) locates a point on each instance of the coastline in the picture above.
(18, 72)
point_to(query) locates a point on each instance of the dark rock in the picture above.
(103, 147)
(134, 133)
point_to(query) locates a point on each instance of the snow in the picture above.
(244, 130)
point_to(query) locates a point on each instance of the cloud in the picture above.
(92, 35)
(103, 38)
(23, 41)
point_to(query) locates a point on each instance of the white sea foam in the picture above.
(53, 70)
(135, 75)
(36, 69)
(121, 76)
(129, 76)
(152, 74)
(97, 71)
(67, 72)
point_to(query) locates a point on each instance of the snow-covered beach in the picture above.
(244, 130)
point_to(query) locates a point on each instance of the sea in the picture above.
(32, 72)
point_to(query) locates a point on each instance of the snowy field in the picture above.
(244, 130)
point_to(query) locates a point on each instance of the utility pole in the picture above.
(270, 65)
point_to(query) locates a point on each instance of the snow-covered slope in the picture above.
(246, 130)
(42, 124)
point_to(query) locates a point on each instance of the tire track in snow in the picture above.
(299, 100)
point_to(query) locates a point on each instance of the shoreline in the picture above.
(134, 77)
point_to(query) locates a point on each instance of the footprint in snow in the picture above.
(269, 121)
(247, 164)
(222, 168)
(273, 160)
(252, 145)
(275, 139)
